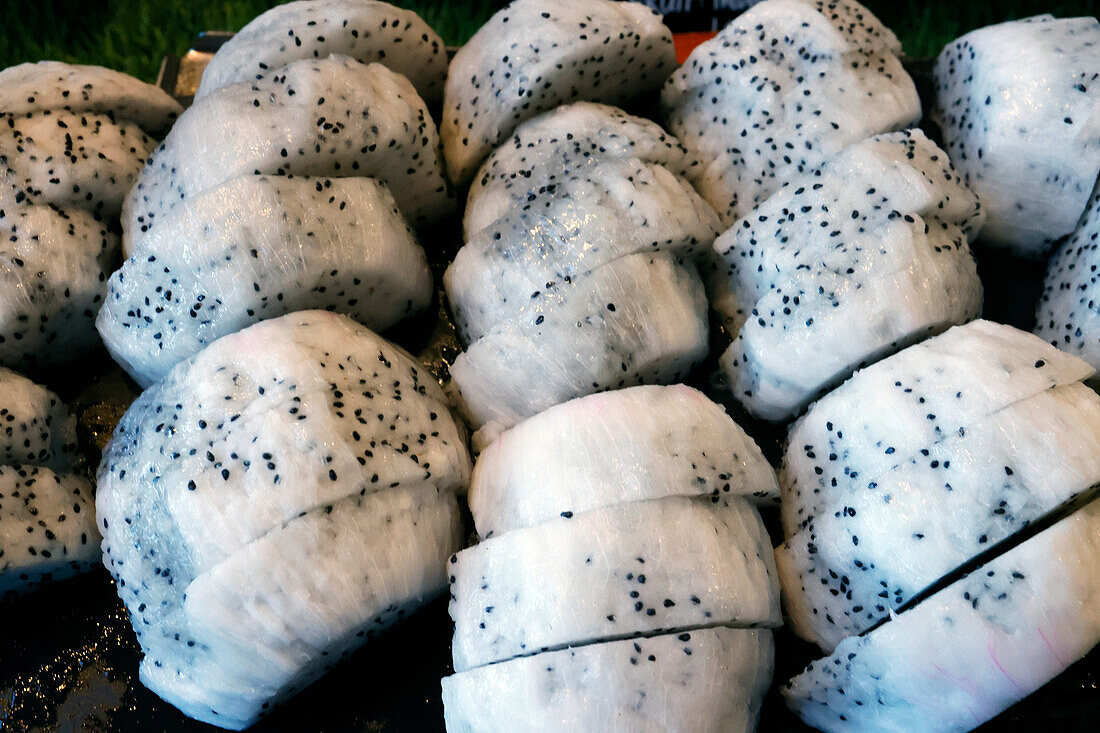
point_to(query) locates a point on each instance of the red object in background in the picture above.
(686, 42)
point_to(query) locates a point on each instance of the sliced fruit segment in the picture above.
(639, 319)
(53, 276)
(1068, 313)
(702, 680)
(365, 30)
(285, 609)
(888, 412)
(876, 546)
(971, 650)
(67, 159)
(47, 528)
(257, 247)
(531, 57)
(36, 428)
(547, 148)
(612, 573)
(53, 85)
(605, 449)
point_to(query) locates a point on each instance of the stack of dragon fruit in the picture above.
(847, 239)
(290, 484)
(581, 225)
(73, 139)
(47, 515)
(289, 184)
(625, 579)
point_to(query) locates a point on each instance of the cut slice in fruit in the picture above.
(704, 681)
(639, 319)
(531, 57)
(605, 449)
(889, 411)
(285, 609)
(971, 650)
(876, 546)
(612, 573)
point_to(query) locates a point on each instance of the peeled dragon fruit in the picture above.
(72, 141)
(584, 278)
(257, 247)
(621, 561)
(1019, 107)
(289, 458)
(327, 117)
(364, 30)
(531, 57)
(844, 265)
(784, 86)
(971, 650)
(923, 462)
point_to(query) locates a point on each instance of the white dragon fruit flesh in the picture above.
(844, 265)
(784, 86)
(546, 149)
(67, 159)
(47, 518)
(285, 609)
(532, 56)
(971, 650)
(53, 85)
(705, 681)
(887, 413)
(879, 544)
(47, 528)
(326, 117)
(257, 247)
(616, 572)
(601, 211)
(53, 276)
(640, 319)
(256, 486)
(1019, 107)
(633, 444)
(621, 557)
(365, 30)
(1068, 313)
(36, 428)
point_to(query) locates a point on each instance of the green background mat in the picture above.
(133, 35)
